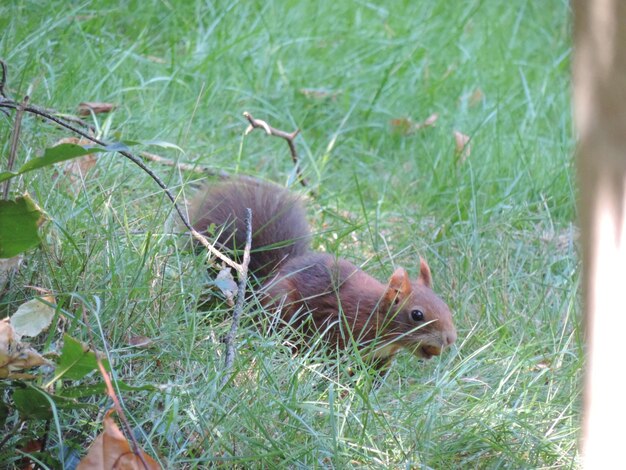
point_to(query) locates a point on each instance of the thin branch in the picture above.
(241, 292)
(72, 118)
(15, 137)
(289, 137)
(137, 161)
(184, 166)
(3, 79)
(111, 392)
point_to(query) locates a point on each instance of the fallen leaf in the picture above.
(227, 285)
(80, 166)
(541, 365)
(14, 355)
(476, 97)
(87, 107)
(407, 126)
(462, 146)
(562, 239)
(111, 450)
(140, 341)
(77, 168)
(319, 93)
(32, 446)
(403, 125)
(33, 317)
(157, 60)
(429, 121)
(73, 140)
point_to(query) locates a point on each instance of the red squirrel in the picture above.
(317, 292)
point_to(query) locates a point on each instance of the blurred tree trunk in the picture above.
(600, 112)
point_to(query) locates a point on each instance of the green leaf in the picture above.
(5, 175)
(162, 144)
(34, 402)
(157, 143)
(19, 222)
(54, 155)
(60, 153)
(76, 360)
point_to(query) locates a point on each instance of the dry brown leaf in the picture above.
(14, 355)
(155, 59)
(562, 239)
(111, 450)
(34, 445)
(541, 365)
(319, 93)
(429, 121)
(87, 107)
(73, 140)
(140, 341)
(476, 97)
(463, 149)
(77, 168)
(403, 125)
(407, 126)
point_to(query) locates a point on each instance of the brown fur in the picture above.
(318, 293)
(279, 226)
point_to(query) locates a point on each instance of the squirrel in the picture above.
(317, 292)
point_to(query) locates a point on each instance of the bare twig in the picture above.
(112, 395)
(184, 166)
(241, 292)
(11, 104)
(289, 137)
(15, 137)
(72, 118)
(3, 79)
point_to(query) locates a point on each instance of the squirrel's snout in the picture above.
(449, 338)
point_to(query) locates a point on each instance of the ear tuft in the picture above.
(399, 285)
(425, 277)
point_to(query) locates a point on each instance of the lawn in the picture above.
(496, 224)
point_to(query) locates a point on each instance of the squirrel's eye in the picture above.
(417, 315)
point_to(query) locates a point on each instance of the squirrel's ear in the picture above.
(399, 285)
(425, 278)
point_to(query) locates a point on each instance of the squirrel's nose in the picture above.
(449, 337)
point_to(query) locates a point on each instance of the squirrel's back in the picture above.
(279, 227)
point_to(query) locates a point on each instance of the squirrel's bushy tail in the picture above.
(279, 226)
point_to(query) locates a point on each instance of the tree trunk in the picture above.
(600, 112)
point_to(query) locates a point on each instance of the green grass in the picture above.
(497, 229)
